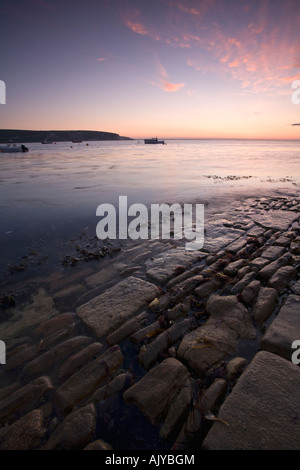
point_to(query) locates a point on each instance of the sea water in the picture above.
(51, 193)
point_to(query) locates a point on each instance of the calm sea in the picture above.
(51, 193)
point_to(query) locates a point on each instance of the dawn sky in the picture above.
(166, 68)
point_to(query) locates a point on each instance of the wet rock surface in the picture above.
(269, 422)
(153, 347)
(105, 313)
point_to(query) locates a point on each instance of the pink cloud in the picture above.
(161, 70)
(162, 80)
(171, 87)
(291, 79)
(132, 20)
(224, 59)
(253, 52)
(234, 41)
(138, 28)
(234, 63)
(190, 10)
(260, 65)
(201, 7)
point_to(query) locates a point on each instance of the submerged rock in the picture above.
(24, 399)
(54, 355)
(24, 434)
(75, 431)
(84, 382)
(55, 324)
(150, 353)
(98, 445)
(155, 391)
(78, 360)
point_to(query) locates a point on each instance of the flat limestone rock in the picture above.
(104, 275)
(75, 431)
(273, 252)
(284, 329)
(295, 288)
(237, 245)
(24, 434)
(162, 267)
(109, 310)
(239, 286)
(128, 328)
(177, 409)
(74, 363)
(262, 410)
(54, 355)
(278, 220)
(282, 277)
(150, 353)
(98, 445)
(87, 379)
(55, 324)
(259, 263)
(155, 391)
(113, 387)
(227, 310)
(207, 345)
(24, 399)
(265, 304)
(68, 291)
(217, 236)
(268, 270)
(255, 231)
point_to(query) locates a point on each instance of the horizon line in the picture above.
(144, 137)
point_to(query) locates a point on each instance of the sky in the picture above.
(144, 68)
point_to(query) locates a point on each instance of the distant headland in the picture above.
(20, 136)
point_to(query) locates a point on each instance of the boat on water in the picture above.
(47, 142)
(154, 140)
(76, 141)
(14, 148)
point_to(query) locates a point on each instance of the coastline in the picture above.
(92, 344)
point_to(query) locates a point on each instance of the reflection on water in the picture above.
(52, 193)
